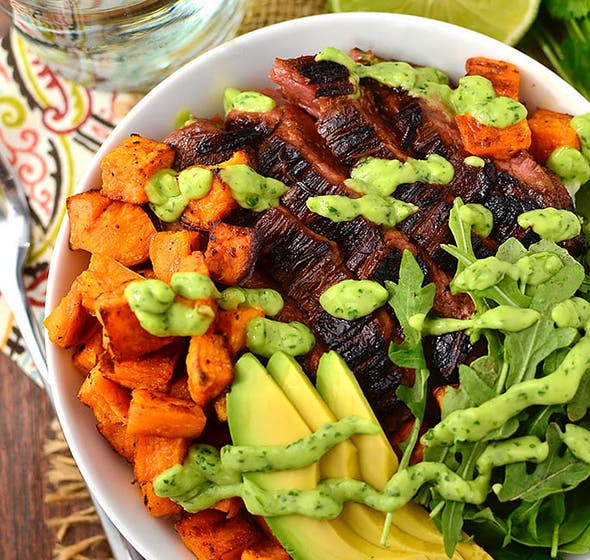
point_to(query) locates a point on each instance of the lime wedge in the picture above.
(505, 20)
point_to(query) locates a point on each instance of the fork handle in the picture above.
(29, 328)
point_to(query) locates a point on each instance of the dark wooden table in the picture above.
(25, 415)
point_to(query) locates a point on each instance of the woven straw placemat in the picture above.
(69, 510)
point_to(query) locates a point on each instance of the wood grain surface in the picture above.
(25, 414)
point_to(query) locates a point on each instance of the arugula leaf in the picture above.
(408, 297)
(538, 423)
(505, 292)
(414, 397)
(557, 474)
(578, 406)
(526, 349)
(537, 523)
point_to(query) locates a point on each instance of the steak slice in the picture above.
(205, 142)
(304, 264)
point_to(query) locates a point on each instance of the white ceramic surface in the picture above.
(244, 63)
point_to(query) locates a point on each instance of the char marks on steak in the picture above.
(205, 142)
(310, 141)
(304, 264)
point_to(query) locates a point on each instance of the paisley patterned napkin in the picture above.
(50, 129)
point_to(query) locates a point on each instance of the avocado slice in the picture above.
(340, 390)
(287, 373)
(259, 413)
(365, 521)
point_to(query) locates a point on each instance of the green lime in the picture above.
(505, 20)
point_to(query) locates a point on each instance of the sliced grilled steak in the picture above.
(204, 142)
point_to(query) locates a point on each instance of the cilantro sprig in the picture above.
(562, 34)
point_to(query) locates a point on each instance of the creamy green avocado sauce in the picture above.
(169, 192)
(383, 176)
(153, 303)
(208, 475)
(474, 95)
(478, 217)
(380, 210)
(572, 165)
(473, 424)
(265, 337)
(269, 300)
(247, 101)
(530, 269)
(551, 223)
(351, 299)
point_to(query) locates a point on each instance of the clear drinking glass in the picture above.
(127, 45)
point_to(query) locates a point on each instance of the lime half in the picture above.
(505, 20)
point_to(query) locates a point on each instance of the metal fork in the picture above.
(15, 236)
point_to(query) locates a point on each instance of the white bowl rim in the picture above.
(57, 286)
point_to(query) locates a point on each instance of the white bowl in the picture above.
(244, 63)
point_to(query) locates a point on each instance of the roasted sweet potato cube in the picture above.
(124, 336)
(153, 455)
(152, 371)
(211, 536)
(551, 130)
(505, 76)
(118, 437)
(89, 352)
(209, 367)
(179, 387)
(220, 407)
(195, 262)
(488, 141)
(217, 204)
(70, 324)
(169, 248)
(109, 401)
(152, 413)
(230, 506)
(120, 230)
(127, 168)
(266, 549)
(231, 253)
(104, 276)
(232, 324)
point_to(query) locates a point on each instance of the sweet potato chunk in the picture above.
(118, 229)
(124, 337)
(169, 248)
(110, 404)
(88, 353)
(231, 253)
(69, 324)
(127, 168)
(108, 400)
(153, 455)
(266, 549)
(232, 323)
(551, 130)
(104, 276)
(152, 413)
(211, 536)
(488, 141)
(217, 204)
(152, 371)
(119, 439)
(505, 76)
(209, 367)
(230, 506)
